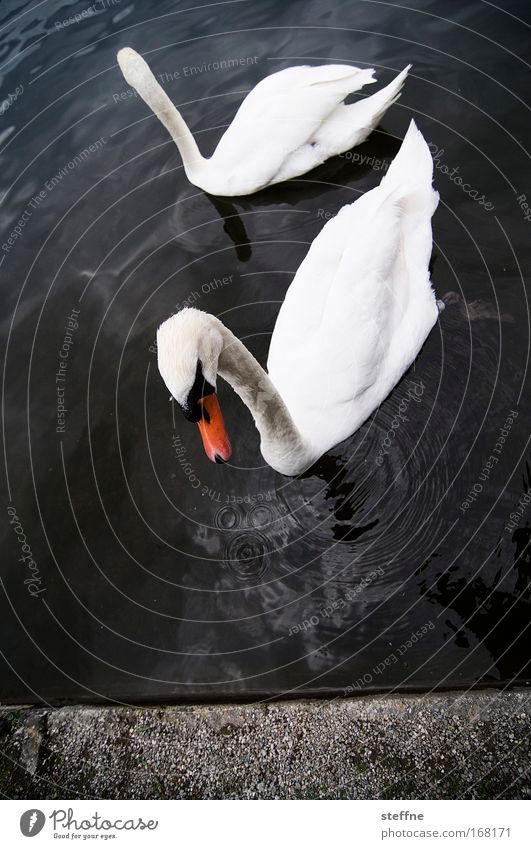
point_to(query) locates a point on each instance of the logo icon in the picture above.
(31, 822)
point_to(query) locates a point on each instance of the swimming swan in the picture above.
(353, 320)
(288, 124)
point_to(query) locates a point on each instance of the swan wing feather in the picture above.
(349, 125)
(286, 109)
(361, 304)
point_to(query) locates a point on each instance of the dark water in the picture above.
(151, 573)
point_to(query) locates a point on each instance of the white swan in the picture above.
(288, 124)
(354, 318)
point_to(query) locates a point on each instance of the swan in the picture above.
(288, 124)
(353, 320)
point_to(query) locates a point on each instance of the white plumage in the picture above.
(361, 303)
(354, 318)
(289, 123)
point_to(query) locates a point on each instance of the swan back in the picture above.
(278, 118)
(361, 304)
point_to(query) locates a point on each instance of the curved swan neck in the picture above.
(139, 75)
(169, 115)
(282, 445)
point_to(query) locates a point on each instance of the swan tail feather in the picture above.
(412, 162)
(377, 104)
(410, 175)
(380, 102)
(344, 78)
(349, 125)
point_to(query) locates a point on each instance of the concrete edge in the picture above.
(473, 744)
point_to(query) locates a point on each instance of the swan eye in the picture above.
(193, 411)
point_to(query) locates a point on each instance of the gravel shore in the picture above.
(473, 745)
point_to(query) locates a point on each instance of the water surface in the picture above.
(401, 560)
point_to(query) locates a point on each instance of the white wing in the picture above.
(282, 114)
(350, 125)
(361, 304)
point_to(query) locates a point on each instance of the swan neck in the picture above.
(183, 138)
(281, 444)
(158, 101)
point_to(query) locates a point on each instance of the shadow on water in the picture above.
(233, 226)
(347, 498)
(339, 170)
(495, 608)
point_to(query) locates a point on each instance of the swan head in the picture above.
(134, 68)
(188, 348)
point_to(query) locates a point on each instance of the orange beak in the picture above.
(212, 429)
